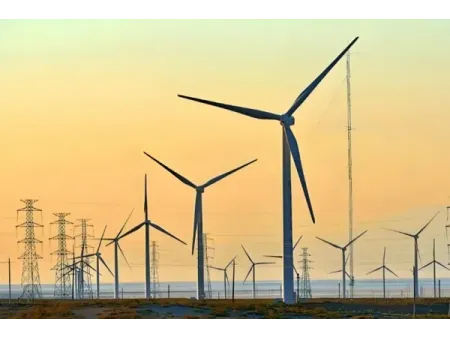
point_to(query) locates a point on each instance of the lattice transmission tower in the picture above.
(63, 287)
(209, 259)
(305, 282)
(85, 284)
(447, 228)
(31, 282)
(154, 270)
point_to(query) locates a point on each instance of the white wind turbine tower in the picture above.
(117, 247)
(198, 218)
(343, 249)
(147, 223)
(225, 275)
(289, 146)
(99, 259)
(434, 262)
(416, 251)
(253, 268)
(384, 268)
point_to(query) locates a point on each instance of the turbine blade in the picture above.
(124, 224)
(247, 254)
(374, 270)
(157, 227)
(298, 240)
(427, 223)
(346, 260)
(423, 267)
(270, 256)
(354, 239)
(226, 277)
(129, 232)
(336, 246)
(335, 271)
(296, 272)
(228, 173)
(196, 217)
(230, 262)
(418, 253)
(89, 265)
(400, 232)
(255, 113)
(264, 263)
(304, 95)
(439, 263)
(173, 172)
(213, 267)
(248, 273)
(391, 272)
(293, 146)
(348, 275)
(106, 265)
(123, 255)
(101, 239)
(384, 256)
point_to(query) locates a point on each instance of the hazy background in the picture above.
(80, 101)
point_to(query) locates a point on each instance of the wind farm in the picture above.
(221, 244)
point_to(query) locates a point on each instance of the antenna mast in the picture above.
(350, 174)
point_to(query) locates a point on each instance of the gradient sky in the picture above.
(80, 101)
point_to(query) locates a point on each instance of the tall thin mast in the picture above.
(350, 183)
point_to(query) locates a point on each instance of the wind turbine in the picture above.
(198, 217)
(434, 262)
(416, 250)
(293, 249)
(253, 268)
(225, 275)
(117, 247)
(346, 273)
(99, 259)
(147, 223)
(384, 268)
(289, 146)
(343, 249)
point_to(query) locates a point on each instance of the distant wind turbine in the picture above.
(416, 251)
(346, 273)
(147, 223)
(253, 268)
(293, 249)
(434, 262)
(225, 275)
(384, 268)
(99, 259)
(117, 247)
(343, 249)
(198, 218)
(290, 146)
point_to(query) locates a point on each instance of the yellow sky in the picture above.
(80, 102)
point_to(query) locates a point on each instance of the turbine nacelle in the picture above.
(200, 189)
(287, 120)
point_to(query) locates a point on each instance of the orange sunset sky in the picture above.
(81, 100)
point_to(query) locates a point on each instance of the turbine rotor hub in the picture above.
(200, 190)
(287, 120)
